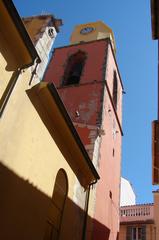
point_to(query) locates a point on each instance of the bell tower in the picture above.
(88, 81)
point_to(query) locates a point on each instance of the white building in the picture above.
(127, 195)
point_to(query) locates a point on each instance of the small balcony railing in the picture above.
(136, 213)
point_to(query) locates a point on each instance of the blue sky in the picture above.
(137, 61)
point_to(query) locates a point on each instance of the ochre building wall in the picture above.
(30, 160)
(7, 64)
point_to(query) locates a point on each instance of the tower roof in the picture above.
(36, 25)
(92, 31)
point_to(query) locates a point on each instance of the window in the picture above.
(136, 233)
(57, 206)
(51, 32)
(110, 194)
(113, 152)
(115, 90)
(74, 68)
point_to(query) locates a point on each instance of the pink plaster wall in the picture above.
(85, 99)
(111, 67)
(91, 99)
(107, 209)
(93, 68)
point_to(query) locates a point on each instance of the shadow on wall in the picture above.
(8, 55)
(22, 208)
(24, 212)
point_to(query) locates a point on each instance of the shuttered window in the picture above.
(136, 233)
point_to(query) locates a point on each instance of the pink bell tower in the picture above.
(87, 78)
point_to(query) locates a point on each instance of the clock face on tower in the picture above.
(87, 30)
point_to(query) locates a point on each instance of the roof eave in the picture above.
(21, 29)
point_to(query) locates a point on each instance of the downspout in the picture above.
(86, 210)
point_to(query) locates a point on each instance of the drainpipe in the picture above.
(86, 210)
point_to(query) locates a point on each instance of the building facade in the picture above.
(137, 222)
(45, 172)
(42, 30)
(88, 81)
(127, 194)
(155, 123)
(140, 221)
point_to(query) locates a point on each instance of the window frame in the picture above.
(130, 232)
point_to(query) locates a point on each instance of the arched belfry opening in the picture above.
(58, 200)
(74, 68)
(115, 90)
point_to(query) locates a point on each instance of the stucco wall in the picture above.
(93, 65)
(30, 153)
(7, 65)
(111, 67)
(107, 208)
(122, 232)
(37, 27)
(150, 231)
(97, 126)
(156, 212)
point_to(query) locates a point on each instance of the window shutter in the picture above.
(144, 233)
(128, 233)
